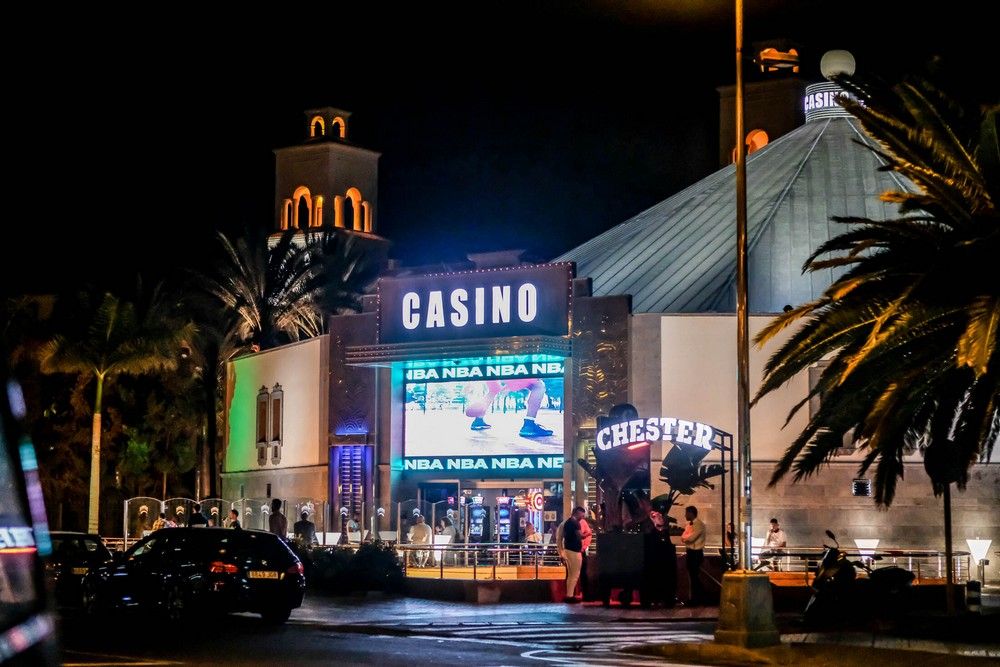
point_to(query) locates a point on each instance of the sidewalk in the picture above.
(859, 649)
(378, 614)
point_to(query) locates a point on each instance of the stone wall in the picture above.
(914, 521)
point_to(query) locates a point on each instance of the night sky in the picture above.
(527, 125)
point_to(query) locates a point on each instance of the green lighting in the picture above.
(480, 361)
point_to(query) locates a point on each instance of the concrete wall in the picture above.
(696, 379)
(301, 370)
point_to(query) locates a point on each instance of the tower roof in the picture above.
(679, 256)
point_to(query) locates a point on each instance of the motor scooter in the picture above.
(832, 585)
(883, 595)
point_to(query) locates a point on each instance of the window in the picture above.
(262, 414)
(815, 372)
(277, 402)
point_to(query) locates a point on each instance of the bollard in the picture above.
(974, 596)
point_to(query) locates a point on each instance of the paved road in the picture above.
(382, 632)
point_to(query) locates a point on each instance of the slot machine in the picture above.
(505, 511)
(479, 529)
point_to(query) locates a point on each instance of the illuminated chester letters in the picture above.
(680, 431)
(505, 302)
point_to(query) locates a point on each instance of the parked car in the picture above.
(73, 556)
(183, 571)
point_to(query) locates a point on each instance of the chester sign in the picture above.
(636, 431)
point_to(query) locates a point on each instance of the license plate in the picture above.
(80, 570)
(262, 574)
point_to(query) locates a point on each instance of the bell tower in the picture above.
(327, 180)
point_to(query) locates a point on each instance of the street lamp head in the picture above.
(836, 62)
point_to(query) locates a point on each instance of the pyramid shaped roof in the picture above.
(679, 256)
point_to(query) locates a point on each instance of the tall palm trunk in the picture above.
(93, 515)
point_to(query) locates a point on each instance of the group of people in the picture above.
(277, 523)
(659, 577)
(421, 534)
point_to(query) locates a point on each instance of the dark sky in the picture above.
(534, 125)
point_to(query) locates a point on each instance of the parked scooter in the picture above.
(832, 586)
(884, 594)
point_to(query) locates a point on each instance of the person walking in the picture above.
(693, 538)
(571, 551)
(196, 518)
(234, 520)
(276, 522)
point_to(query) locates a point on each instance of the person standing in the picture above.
(693, 538)
(571, 550)
(276, 522)
(234, 520)
(161, 521)
(196, 518)
(420, 534)
(305, 530)
(774, 543)
(586, 535)
(659, 572)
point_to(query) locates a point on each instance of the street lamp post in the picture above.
(746, 610)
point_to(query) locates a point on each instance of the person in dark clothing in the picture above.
(659, 572)
(197, 518)
(234, 520)
(571, 550)
(305, 530)
(276, 522)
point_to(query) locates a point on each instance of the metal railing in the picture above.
(484, 560)
(926, 564)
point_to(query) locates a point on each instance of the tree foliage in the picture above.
(909, 331)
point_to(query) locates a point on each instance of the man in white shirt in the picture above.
(774, 543)
(693, 538)
(420, 533)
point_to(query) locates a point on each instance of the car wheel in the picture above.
(276, 616)
(175, 604)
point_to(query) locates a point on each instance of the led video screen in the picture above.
(487, 410)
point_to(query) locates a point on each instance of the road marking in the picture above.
(109, 660)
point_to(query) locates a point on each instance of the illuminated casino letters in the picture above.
(494, 306)
(680, 431)
(531, 300)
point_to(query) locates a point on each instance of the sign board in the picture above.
(531, 300)
(638, 432)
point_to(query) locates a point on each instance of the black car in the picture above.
(180, 571)
(73, 556)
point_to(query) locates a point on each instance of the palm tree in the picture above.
(272, 289)
(105, 337)
(909, 331)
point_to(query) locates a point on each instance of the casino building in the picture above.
(483, 387)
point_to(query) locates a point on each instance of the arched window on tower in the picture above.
(302, 207)
(348, 213)
(352, 220)
(339, 126)
(317, 128)
(304, 215)
(286, 213)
